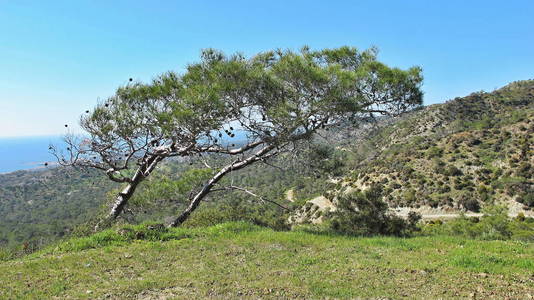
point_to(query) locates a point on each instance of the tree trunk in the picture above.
(122, 198)
(195, 201)
(125, 195)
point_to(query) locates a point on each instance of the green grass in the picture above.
(238, 260)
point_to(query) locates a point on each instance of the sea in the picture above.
(31, 153)
(25, 153)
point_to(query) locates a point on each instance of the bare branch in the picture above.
(233, 187)
(217, 149)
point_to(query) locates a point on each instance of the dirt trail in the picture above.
(428, 213)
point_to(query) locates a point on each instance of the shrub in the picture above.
(365, 214)
(470, 204)
(409, 196)
(323, 158)
(484, 193)
(233, 211)
(434, 152)
(6, 254)
(452, 171)
(524, 170)
(438, 166)
(494, 225)
(444, 189)
(527, 199)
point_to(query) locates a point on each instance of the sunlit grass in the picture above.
(242, 260)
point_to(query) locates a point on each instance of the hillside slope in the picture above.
(36, 206)
(448, 158)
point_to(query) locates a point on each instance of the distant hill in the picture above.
(451, 157)
(44, 204)
(41, 206)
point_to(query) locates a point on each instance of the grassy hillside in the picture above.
(237, 260)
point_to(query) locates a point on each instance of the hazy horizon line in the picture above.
(31, 136)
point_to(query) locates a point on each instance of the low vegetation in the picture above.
(459, 155)
(450, 156)
(366, 214)
(493, 225)
(239, 260)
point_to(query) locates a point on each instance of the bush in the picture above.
(525, 170)
(365, 214)
(6, 254)
(434, 152)
(527, 199)
(409, 196)
(324, 159)
(470, 204)
(494, 225)
(452, 171)
(438, 166)
(234, 211)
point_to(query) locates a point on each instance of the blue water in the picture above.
(23, 153)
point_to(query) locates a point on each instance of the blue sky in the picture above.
(58, 57)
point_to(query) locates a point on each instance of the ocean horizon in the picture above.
(31, 153)
(26, 153)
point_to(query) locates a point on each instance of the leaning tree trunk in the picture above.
(122, 198)
(198, 197)
(125, 195)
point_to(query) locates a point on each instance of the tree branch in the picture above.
(233, 187)
(206, 189)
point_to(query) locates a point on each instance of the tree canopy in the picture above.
(276, 99)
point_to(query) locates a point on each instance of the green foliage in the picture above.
(261, 214)
(277, 99)
(38, 207)
(438, 166)
(74, 215)
(469, 203)
(324, 159)
(434, 152)
(274, 85)
(493, 225)
(453, 149)
(527, 199)
(122, 235)
(409, 196)
(164, 188)
(451, 170)
(6, 254)
(484, 123)
(365, 213)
